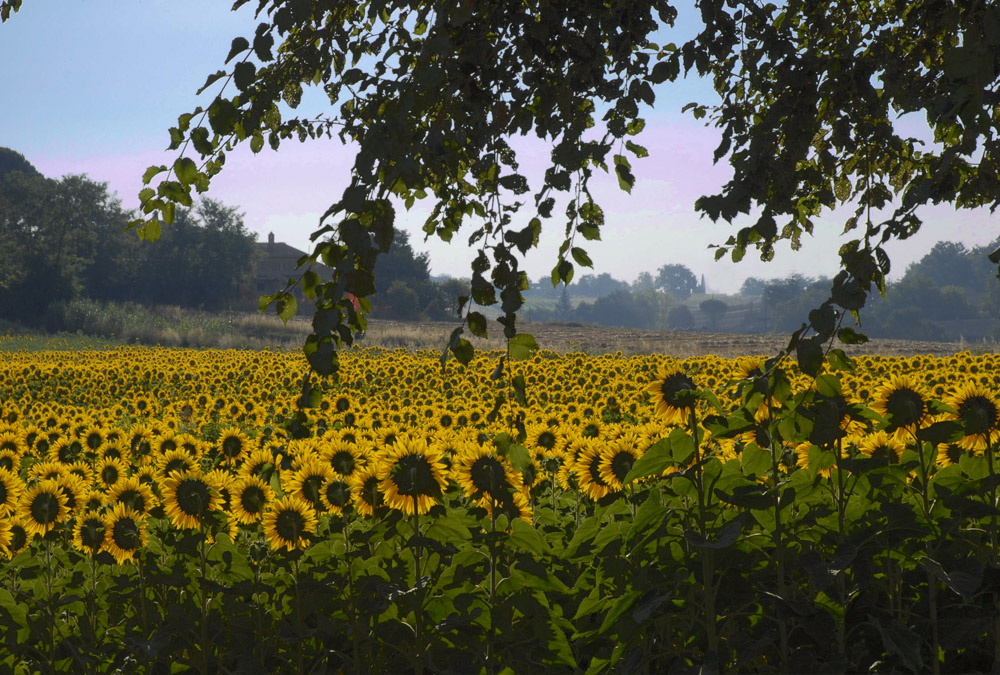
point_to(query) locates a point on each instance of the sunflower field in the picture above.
(166, 510)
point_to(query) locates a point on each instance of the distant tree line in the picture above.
(952, 292)
(65, 239)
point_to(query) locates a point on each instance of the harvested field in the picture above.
(592, 339)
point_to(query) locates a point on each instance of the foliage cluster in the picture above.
(604, 514)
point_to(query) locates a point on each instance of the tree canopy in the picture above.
(431, 94)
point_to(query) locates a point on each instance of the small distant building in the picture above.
(277, 263)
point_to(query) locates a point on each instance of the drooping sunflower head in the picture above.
(674, 394)
(903, 401)
(288, 523)
(977, 409)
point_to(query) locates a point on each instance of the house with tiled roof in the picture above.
(277, 263)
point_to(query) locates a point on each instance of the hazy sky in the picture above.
(91, 87)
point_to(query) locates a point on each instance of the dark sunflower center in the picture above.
(678, 390)
(370, 493)
(343, 463)
(488, 475)
(178, 464)
(45, 508)
(9, 445)
(125, 534)
(343, 404)
(337, 493)
(92, 533)
(3, 493)
(954, 453)
(621, 464)
(595, 470)
(94, 440)
(133, 499)
(312, 487)
(413, 477)
(6, 462)
(193, 497)
(289, 525)
(252, 500)
(591, 431)
(906, 407)
(978, 414)
(109, 474)
(232, 447)
(18, 538)
(547, 440)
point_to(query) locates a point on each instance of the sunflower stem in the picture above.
(352, 603)
(707, 554)
(418, 621)
(491, 636)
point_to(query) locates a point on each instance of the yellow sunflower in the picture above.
(11, 488)
(288, 523)
(674, 394)
(483, 474)
(110, 471)
(366, 489)
(414, 479)
(336, 495)
(42, 507)
(126, 533)
(233, 446)
(90, 533)
(977, 409)
(343, 457)
(882, 444)
(903, 401)
(134, 493)
(617, 458)
(307, 481)
(588, 472)
(250, 499)
(189, 499)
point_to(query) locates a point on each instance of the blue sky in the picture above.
(92, 87)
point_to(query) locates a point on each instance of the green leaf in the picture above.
(519, 390)
(210, 80)
(624, 172)
(756, 461)
(151, 172)
(186, 170)
(240, 44)
(477, 324)
(524, 537)
(654, 462)
(581, 257)
(287, 306)
(522, 346)
(463, 351)
(256, 141)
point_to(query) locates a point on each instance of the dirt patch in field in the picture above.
(591, 339)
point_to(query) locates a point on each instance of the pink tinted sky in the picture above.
(97, 84)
